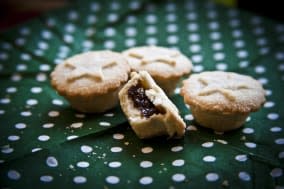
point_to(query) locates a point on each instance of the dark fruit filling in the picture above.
(141, 101)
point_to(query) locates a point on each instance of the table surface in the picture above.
(46, 144)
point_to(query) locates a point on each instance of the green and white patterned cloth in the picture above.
(46, 144)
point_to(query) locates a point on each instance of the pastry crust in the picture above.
(222, 100)
(91, 80)
(165, 65)
(168, 122)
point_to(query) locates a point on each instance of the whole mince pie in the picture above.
(148, 109)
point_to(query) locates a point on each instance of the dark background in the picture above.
(13, 12)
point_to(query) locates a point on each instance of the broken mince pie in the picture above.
(148, 109)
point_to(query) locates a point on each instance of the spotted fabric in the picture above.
(46, 144)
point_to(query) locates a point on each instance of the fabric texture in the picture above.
(46, 144)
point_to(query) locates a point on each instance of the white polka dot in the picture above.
(242, 54)
(275, 129)
(70, 28)
(146, 164)
(197, 58)
(268, 92)
(83, 164)
(221, 66)
(211, 177)
(26, 113)
(109, 114)
(20, 125)
(42, 45)
(39, 52)
(95, 6)
(172, 39)
(13, 137)
(36, 90)
(68, 38)
(178, 177)
(222, 141)
(21, 67)
(36, 149)
(46, 178)
(176, 148)
(188, 117)
(105, 124)
(7, 149)
(46, 34)
(171, 17)
(250, 144)
(53, 114)
(110, 31)
(2, 161)
(20, 41)
(44, 67)
(279, 141)
(112, 179)
(273, 116)
(11, 90)
(237, 33)
(118, 136)
(76, 125)
(112, 17)
(79, 180)
(172, 28)
(276, 172)
(31, 102)
(147, 150)
(41, 77)
(116, 149)
(14, 175)
(209, 158)
(198, 68)
(192, 27)
(248, 130)
(57, 102)
(215, 35)
(151, 41)
(134, 5)
(51, 161)
(195, 48)
(130, 31)
(72, 137)
(207, 144)
(86, 149)
(244, 176)
(151, 29)
(260, 69)
(48, 125)
(241, 157)
(80, 115)
(258, 30)
(43, 138)
(281, 155)
(151, 18)
(213, 25)
(194, 37)
(178, 162)
(263, 81)
(5, 100)
(239, 43)
(2, 112)
(114, 164)
(109, 44)
(130, 42)
(3, 56)
(191, 128)
(25, 57)
(177, 90)
(269, 104)
(217, 46)
(146, 180)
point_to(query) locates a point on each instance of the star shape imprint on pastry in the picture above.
(226, 88)
(92, 68)
(153, 54)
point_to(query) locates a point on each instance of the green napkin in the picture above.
(46, 144)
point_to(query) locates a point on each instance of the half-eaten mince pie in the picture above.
(148, 109)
